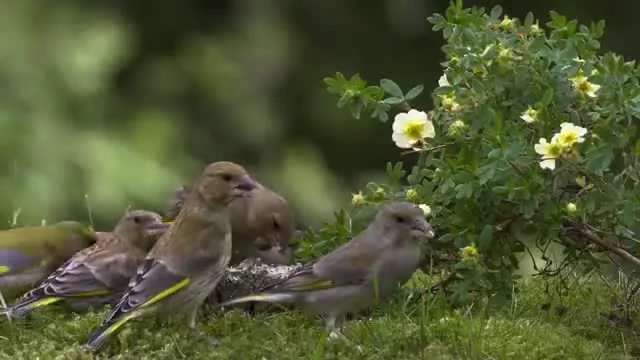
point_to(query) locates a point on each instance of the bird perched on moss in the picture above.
(97, 275)
(29, 254)
(358, 273)
(186, 263)
(263, 225)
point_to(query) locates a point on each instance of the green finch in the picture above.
(357, 274)
(262, 225)
(29, 254)
(188, 260)
(99, 274)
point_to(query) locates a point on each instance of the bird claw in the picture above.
(4, 306)
(334, 335)
(209, 340)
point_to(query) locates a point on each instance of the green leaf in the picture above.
(414, 92)
(598, 159)
(496, 11)
(395, 172)
(355, 109)
(464, 191)
(597, 29)
(547, 97)
(636, 150)
(501, 190)
(528, 20)
(344, 99)
(393, 100)
(485, 237)
(486, 173)
(391, 88)
(538, 43)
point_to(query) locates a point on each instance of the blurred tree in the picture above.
(125, 100)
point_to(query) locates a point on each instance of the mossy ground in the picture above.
(424, 329)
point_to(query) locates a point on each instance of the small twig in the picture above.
(425, 150)
(616, 250)
(517, 169)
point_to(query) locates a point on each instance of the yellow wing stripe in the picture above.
(166, 292)
(90, 293)
(313, 285)
(111, 329)
(46, 301)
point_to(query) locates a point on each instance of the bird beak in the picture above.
(245, 185)
(157, 227)
(422, 227)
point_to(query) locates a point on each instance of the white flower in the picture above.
(584, 86)
(530, 115)
(426, 209)
(549, 151)
(569, 134)
(443, 81)
(410, 128)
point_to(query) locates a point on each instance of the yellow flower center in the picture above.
(584, 86)
(568, 138)
(554, 150)
(413, 130)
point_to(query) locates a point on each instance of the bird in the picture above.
(29, 254)
(357, 274)
(99, 274)
(263, 225)
(186, 263)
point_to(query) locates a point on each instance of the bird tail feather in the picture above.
(97, 339)
(25, 307)
(264, 297)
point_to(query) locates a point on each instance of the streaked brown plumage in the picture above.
(99, 274)
(262, 225)
(186, 263)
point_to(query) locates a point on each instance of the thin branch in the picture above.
(593, 237)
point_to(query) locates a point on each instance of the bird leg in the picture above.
(191, 324)
(4, 306)
(333, 323)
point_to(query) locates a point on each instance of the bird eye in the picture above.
(226, 177)
(137, 219)
(399, 219)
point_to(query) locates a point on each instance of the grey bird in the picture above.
(359, 273)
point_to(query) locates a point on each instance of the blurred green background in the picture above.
(125, 100)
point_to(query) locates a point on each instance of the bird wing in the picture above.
(349, 264)
(95, 271)
(154, 281)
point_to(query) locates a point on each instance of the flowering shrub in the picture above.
(531, 132)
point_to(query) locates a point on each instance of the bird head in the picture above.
(273, 219)
(407, 218)
(176, 201)
(222, 181)
(141, 227)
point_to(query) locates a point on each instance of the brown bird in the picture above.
(188, 260)
(99, 274)
(263, 225)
